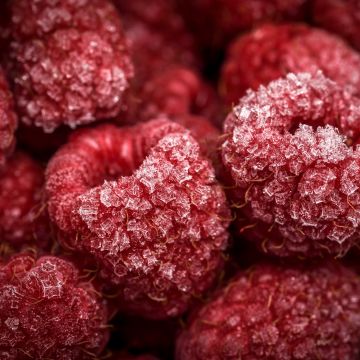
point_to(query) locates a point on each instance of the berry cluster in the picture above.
(179, 180)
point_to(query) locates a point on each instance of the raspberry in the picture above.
(279, 312)
(228, 18)
(340, 17)
(68, 62)
(289, 153)
(8, 120)
(272, 51)
(157, 37)
(178, 91)
(147, 207)
(22, 218)
(47, 312)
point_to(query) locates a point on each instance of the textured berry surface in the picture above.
(8, 120)
(296, 177)
(228, 18)
(145, 204)
(68, 62)
(273, 51)
(279, 313)
(157, 37)
(46, 312)
(23, 219)
(339, 16)
(178, 91)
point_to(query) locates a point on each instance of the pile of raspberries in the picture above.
(179, 180)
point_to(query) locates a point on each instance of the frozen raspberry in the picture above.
(178, 91)
(228, 18)
(68, 61)
(23, 218)
(279, 313)
(46, 312)
(339, 16)
(8, 120)
(157, 37)
(273, 51)
(145, 204)
(289, 152)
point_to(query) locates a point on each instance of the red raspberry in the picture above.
(178, 91)
(8, 120)
(297, 184)
(68, 61)
(272, 51)
(23, 219)
(339, 16)
(46, 312)
(147, 207)
(157, 37)
(228, 18)
(279, 313)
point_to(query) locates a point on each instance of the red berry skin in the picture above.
(177, 91)
(277, 312)
(23, 218)
(341, 17)
(157, 36)
(8, 120)
(229, 18)
(47, 312)
(145, 204)
(68, 62)
(296, 184)
(272, 51)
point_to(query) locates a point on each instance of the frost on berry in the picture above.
(157, 36)
(68, 61)
(295, 172)
(229, 18)
(339, 16)
(279, 313)
(273, 51)
(8, 120)
(23, 218)
(46, 312)
(145, 204)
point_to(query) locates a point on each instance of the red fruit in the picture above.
(228, 18)
(46, 312)
(339, 16)
(178, 91)
(157, 37)
(68, 61)
(23, 218)
(273, 51)
(8, 120)
(145, 204)
(289, 152)
(279, 313)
